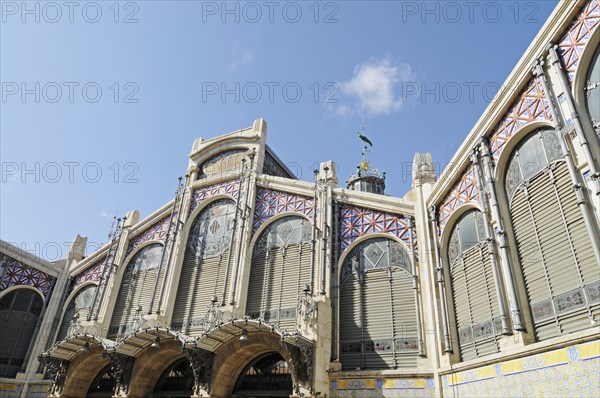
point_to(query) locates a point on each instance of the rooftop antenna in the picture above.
(114, 221)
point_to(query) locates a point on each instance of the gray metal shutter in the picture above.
(66, 321)
(276, 265)
(404, 312)
(135, 292)
(125, 300)
(378, 321)
(475, 303)
(277, 278)
(257, 285)
(351, 323)
(555, 252)
(201, 278)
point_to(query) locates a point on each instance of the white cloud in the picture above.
(241, 57)
(375, 88)
(105, 214)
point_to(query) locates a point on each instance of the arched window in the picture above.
(137, 287)
(83, 300)
(554, 248)
(269, 374)
(378, 314)
(592, 91)
(176, 381)
(533, 155)
(473, 291)
(19, 313)
(205, 264)
(280, 269)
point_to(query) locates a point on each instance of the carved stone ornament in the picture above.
(300, 363)
(201, 362)
(121, 368)
(57, 369)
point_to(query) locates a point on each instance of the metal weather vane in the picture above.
(364, 164)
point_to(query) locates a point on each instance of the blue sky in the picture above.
(101, 101)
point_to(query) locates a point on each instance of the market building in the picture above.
(482, 281)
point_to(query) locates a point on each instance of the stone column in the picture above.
(513, 302)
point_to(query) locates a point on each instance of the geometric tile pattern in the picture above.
(91, 274)
(358, 221)
(571, 45)
(382, 387)
(531, 105)
(156, 231)
(572, 371)
(201, 194)
(270, 202)
(18, 274)
(464, 191)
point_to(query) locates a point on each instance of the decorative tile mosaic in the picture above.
(156, 231)
(464, 191)
(572, 371)
(16, 273)
(270, 202)
(91, 274)
(356, 222)
(10, 390)
(572, 44)
(381, 387)
(201, 194)
(531, 105)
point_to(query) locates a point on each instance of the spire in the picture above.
(366, 179)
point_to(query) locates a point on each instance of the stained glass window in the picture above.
(83, 299)
(376, 253)
(146, 259)
(467, 232)
(592, 91)
(212, 231)
(531, 156)
(283, 232)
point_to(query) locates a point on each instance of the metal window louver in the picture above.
(135, 291)
(204, 266)
(554, 248)
(280, 269)
(377, 308)
(473, 288)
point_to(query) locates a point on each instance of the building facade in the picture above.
(483, 281)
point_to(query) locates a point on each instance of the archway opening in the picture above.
(266, 376)
(177, 381)
(103, 385)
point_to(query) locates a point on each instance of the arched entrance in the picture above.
(266, 376)
(176, 382)
(103, 385)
